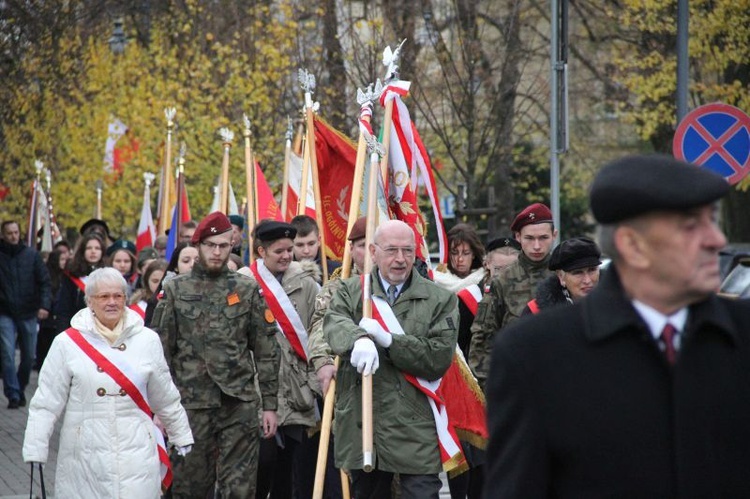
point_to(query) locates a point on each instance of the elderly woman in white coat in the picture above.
(108, 375)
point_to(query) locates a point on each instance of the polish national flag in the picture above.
(146, 228)
(295, 180)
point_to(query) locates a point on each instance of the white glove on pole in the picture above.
(374, 329)
(184, 450)
(365, 356)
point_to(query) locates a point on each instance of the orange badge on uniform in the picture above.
(233, 299)
(269, 316)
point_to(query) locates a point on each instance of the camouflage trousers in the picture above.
(225, 452)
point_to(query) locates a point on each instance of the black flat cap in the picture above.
(503, 242)
(575, 253)
(93, 224)
(636, 185)
(272, 230)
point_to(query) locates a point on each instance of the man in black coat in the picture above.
(642, 389)
(25, 297)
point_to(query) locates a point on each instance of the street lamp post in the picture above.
(118, 40)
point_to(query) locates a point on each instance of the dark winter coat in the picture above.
(583, 404)
(549, 293)
(24, 282)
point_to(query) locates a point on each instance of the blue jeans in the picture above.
(25, 330)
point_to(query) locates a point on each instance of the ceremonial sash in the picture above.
(282, 308)
(533, 306)
(80, 282)
(451, 454)
(140, 308)
(471, 296)
(129, 380)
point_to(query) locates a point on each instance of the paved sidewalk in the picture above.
(14, 473)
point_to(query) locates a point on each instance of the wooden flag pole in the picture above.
(227, 136)
(305, 178)
(287, 160)
(372, 192)
(166, 175)
(307, 80)
(251, 182)
(330, 396)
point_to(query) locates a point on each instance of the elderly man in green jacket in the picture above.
(405, 435)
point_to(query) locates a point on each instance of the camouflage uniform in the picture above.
(209, 326)
(509, 293)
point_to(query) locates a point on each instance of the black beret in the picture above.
(237, 220)
(121, 244)
(94, 222)
(575, 253)
(636, 185)
(273, 230)
(503, 242)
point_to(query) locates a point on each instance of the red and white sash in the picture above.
(140, 308)
(123, 374)
(451, 454)
(471, 296)
(80, 282)
(282, 308)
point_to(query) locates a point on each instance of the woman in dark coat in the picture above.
(88, 256)
(576, 264)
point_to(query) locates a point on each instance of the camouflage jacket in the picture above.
(509, 293)
(297, 380)
(320, 352)
(405, 438)
(216, 339)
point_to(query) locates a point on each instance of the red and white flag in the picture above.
(115, 131)
(146, 228)
(295, 180)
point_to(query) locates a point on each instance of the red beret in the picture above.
(214, 223)
(536, 213)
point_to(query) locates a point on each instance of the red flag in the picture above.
(185, 213)
(125, 152)
(267, 206)
(4, 191)
(336, 156)
(465, 402)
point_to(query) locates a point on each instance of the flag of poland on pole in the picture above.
(295, 180)
(146, 229)
(115, 130)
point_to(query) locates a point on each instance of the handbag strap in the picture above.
(41, 481)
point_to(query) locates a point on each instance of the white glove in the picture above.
(365, 356)
(374, 329)
(184, 450)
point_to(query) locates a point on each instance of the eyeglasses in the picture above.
(213, 246)
(109, 296)
(392, 251)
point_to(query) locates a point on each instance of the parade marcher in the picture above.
(499, 254)
(217, 341)
(87, 257)
(152, 278)
(181, 262)
(121, 256)
(289, 290)
(143, 258)
(160, 245)
(98, 227)
(238, 225)
(107, 374)
(405, 433)
(307, 243)
(465, 277)
(56, 262)
(25, 298)
(511, 290)
(576, 263)
(187, 229)
(640, 389)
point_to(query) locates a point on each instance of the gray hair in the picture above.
(104, 275)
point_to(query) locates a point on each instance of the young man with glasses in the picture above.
(217, 339)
